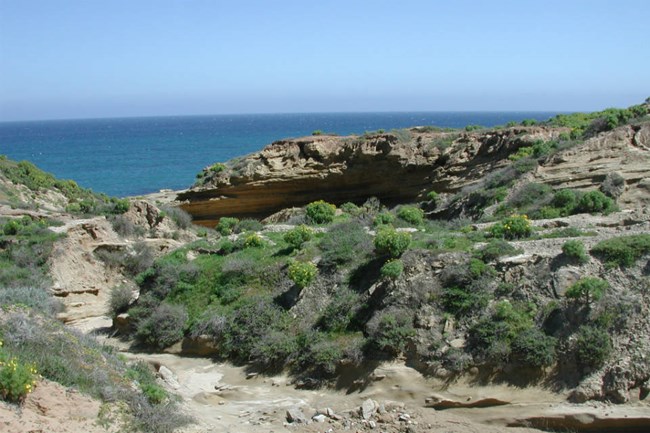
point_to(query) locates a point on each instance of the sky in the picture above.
(121, 58)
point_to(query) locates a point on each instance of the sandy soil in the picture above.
(52, 408)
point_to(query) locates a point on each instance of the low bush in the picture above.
(248, 225)
(595, 202)
(411, 214)
(531, 347)
(530, 194)
(432, 197)
(575, 250)
(593, 347)
(351, 209)
(164, 327)
(253, 240)
(321, 357)
(181, 218)
(298, 236)
(246, 327)
(119, 300)
(391, 242)
(141, 373)
(392, 269)
(622, 251)
(125, 227)
(587, 290)
(338, 314)
(320, 212)
(613, 185)
(383, 218)
(566, 201)
(494, 249)
(226, 225)
(17, 379)
(345, 243)
(31, 297)
(302, 273)
(492, 338)
(390, 332)
(462, 301)
(512, 227)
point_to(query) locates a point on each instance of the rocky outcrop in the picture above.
(392, 167)
(624, 151)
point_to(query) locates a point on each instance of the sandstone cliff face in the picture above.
(395, 169)
(625, 151)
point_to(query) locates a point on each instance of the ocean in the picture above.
(134, 156)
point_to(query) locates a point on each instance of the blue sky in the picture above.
(100, 58)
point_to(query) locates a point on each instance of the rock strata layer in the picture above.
(395, 168)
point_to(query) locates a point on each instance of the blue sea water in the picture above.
(132, 156)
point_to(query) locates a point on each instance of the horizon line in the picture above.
(153, 116)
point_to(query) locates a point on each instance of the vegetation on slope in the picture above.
(79, 200)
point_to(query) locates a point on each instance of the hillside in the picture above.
(408, 278)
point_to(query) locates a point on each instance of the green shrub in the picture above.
(432, 196)
(246, 326)
(411, 214)
(575, 250)
(494, 249)
(512, 227)
(529, 195)
(248, 225)
(274, 349)
(338, 314)
(226, 225)
(532, 347)
(253, 240)
(596, 202)
(119, 300)
(389, 241)
(164, 327)
(566, 200)
(323, 357)
(302, 273)
(587, 290)
(17, 379)
(392, 269)
(217, 167)
(141, 373)
(383, 218)
(320, 212)
(298, 236)
(345, 243)
(390, 332)
(593, 347)
(522, 152)
(492, 338)
(622, 251)
(351, 209)
(462, 301)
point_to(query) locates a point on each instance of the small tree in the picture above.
(587, 290)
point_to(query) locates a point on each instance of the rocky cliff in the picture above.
(402, 167)
(396, 168)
